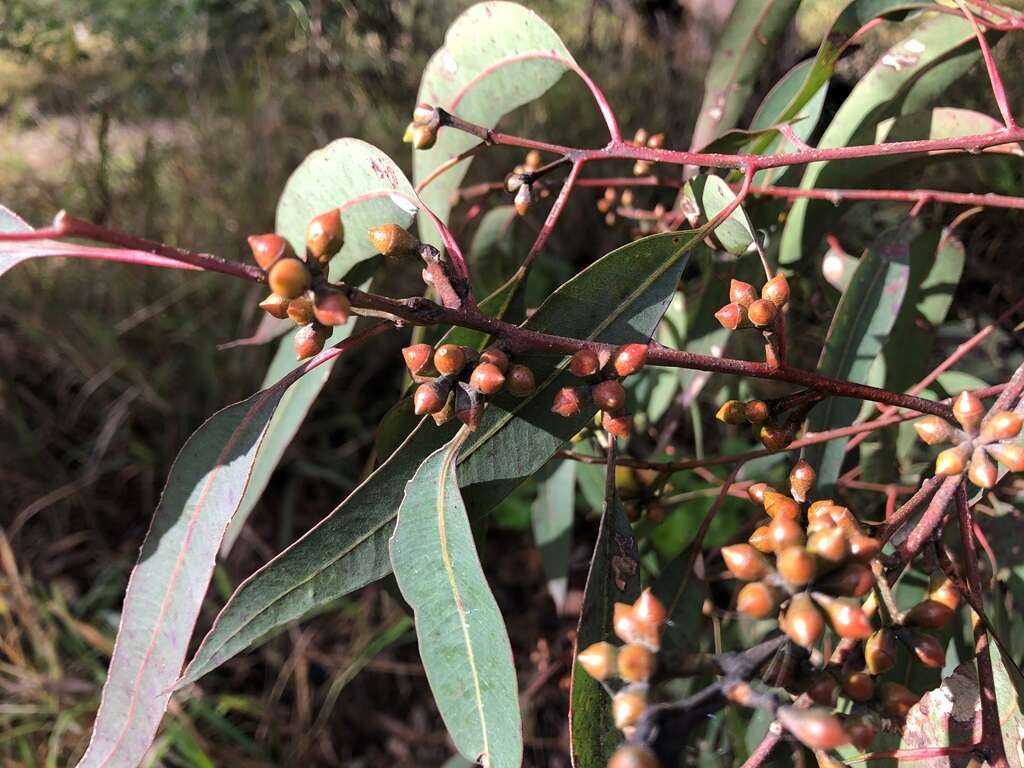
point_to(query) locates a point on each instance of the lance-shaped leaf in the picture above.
(496, 56)
(614, 577)
(551, 517)
(620, 298)
(205, 486)
(747, 40)
(287, 419)
(356, 177)
(862, 322)
(905, 79)
(462, 639)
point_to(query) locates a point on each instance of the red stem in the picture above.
(917, 196)
(998, 89)
(991, 729)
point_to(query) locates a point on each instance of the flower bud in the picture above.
(300, 310)
(852, 580)
(309, 340)
(636, 663)
(895, 700)
(741, 293)
(732, 412)
(449, 359)
(1001, 425)
(952, 461)
(831, 545)
(776, 291)
(430, 397)
(609, 395)
(745, 563)
(928, 650)
(519, 381)
(656, 141)
(846, 617)
(862, 730)
(469, 405)
(486, 378)
(1010, 455)
(761, 540)
(733, 316)
(523, 200)
(804, 623)
(858, 686)
(407, 136)
(288, 277)
(801, 480)
(584, 363)
(623, 623)
(423, 136)
(944, 591)
(775, 437)
(617, 426)
(275, 306)
(929, 614)
(628, 705)
(266, 249)
(823, 689)
(762, 313)
(629, 359)
(968, 410)
(982, 472)
(758, 600)
(568, 402)
(417, 357)
(632, 756)
(648, 609)
(331, 307)
(426, 114)
(863, 548)
(325, 236)
(933, 429)
(814, 727)
(641, 168)
(757, 492)
(392, 240)
(780, 505)
(880, 651)
(756, 411)
(599, 660)
(796, 565)
(784, 532)
(495, 357)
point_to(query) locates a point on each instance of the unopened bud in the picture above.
(762, 313)
(609, 396)
(331, 308)
(325, 236)
(982, 472)
(275, 306)
(519, 381)
(776, 291)
(801, 480)
(968, 410)
(933, 429)
(523, 200)
(300, 310)
(309, 340)
(288, 277)
(742, 293)
(392, 240)
(732, 412)
(732, 316)
(266, 249)
(599, 660)
(417, 357)
(1010, 455)
(1002, 425)
(629, 359)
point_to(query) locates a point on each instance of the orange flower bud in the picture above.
(741, 293)
(944, 591)
(815, 728)
(275, 306)
(804, 623)
(928, 650)
(880, 651)
(417, 357)
(331, 308)
(449, 359)
(325, 236)
(1001, 426)
(896, 700)
(982, 472)
(952, 461)
(801, 480)
(430, 397)
(636, 663)
(309, 340)
(628, 705)
(568, 402)
(929, 614)
(1010, 455)
(745, 563)
(933, 429)
(784, 532)
(831, 545)
(520, 381)
(968, 410)
(631, 756)
(599, 660)
(858, 686)
(617, 426)
(761, 540)
(584, 363)
(392, 240)
(864, 548)
(780, 505)
(495, 357)
(288, 277)
(623, 623)
(609, 395)
(733, 316)
(776, 291)
(629, 359)
(846, 617)
(796, 565)
(300, 310)
(486, 378)
(266, 249)
(757, 492)
(758, 600)
(775, 437)
(762, 313)
(756, 411)
(732, 412)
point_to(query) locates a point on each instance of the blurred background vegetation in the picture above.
(180, 120)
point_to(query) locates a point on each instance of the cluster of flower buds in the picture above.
(812, 571)
(640, 491)
(521, 183)
(299, 290)
(746, 310)
(456, 381)
(775, 422)
(610, 200)
(604, 373)
(639, 626)
(980, 439)
(422, 131)
(642, 139)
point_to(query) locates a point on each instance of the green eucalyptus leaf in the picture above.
(552, 517)
(360, 179)
(862, 322)
(747, 41)
(614, 577)
(462, 639)
(938, 51)
(713, 195)
(496, 56)
(620, 298)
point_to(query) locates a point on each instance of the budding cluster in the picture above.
(456, 380)
(642, 139)
(604, 372)
(639, 626)
(980, 439)
(774, 422)
(300, 292)
(746, 310)
(422, 131)
(810, 571)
